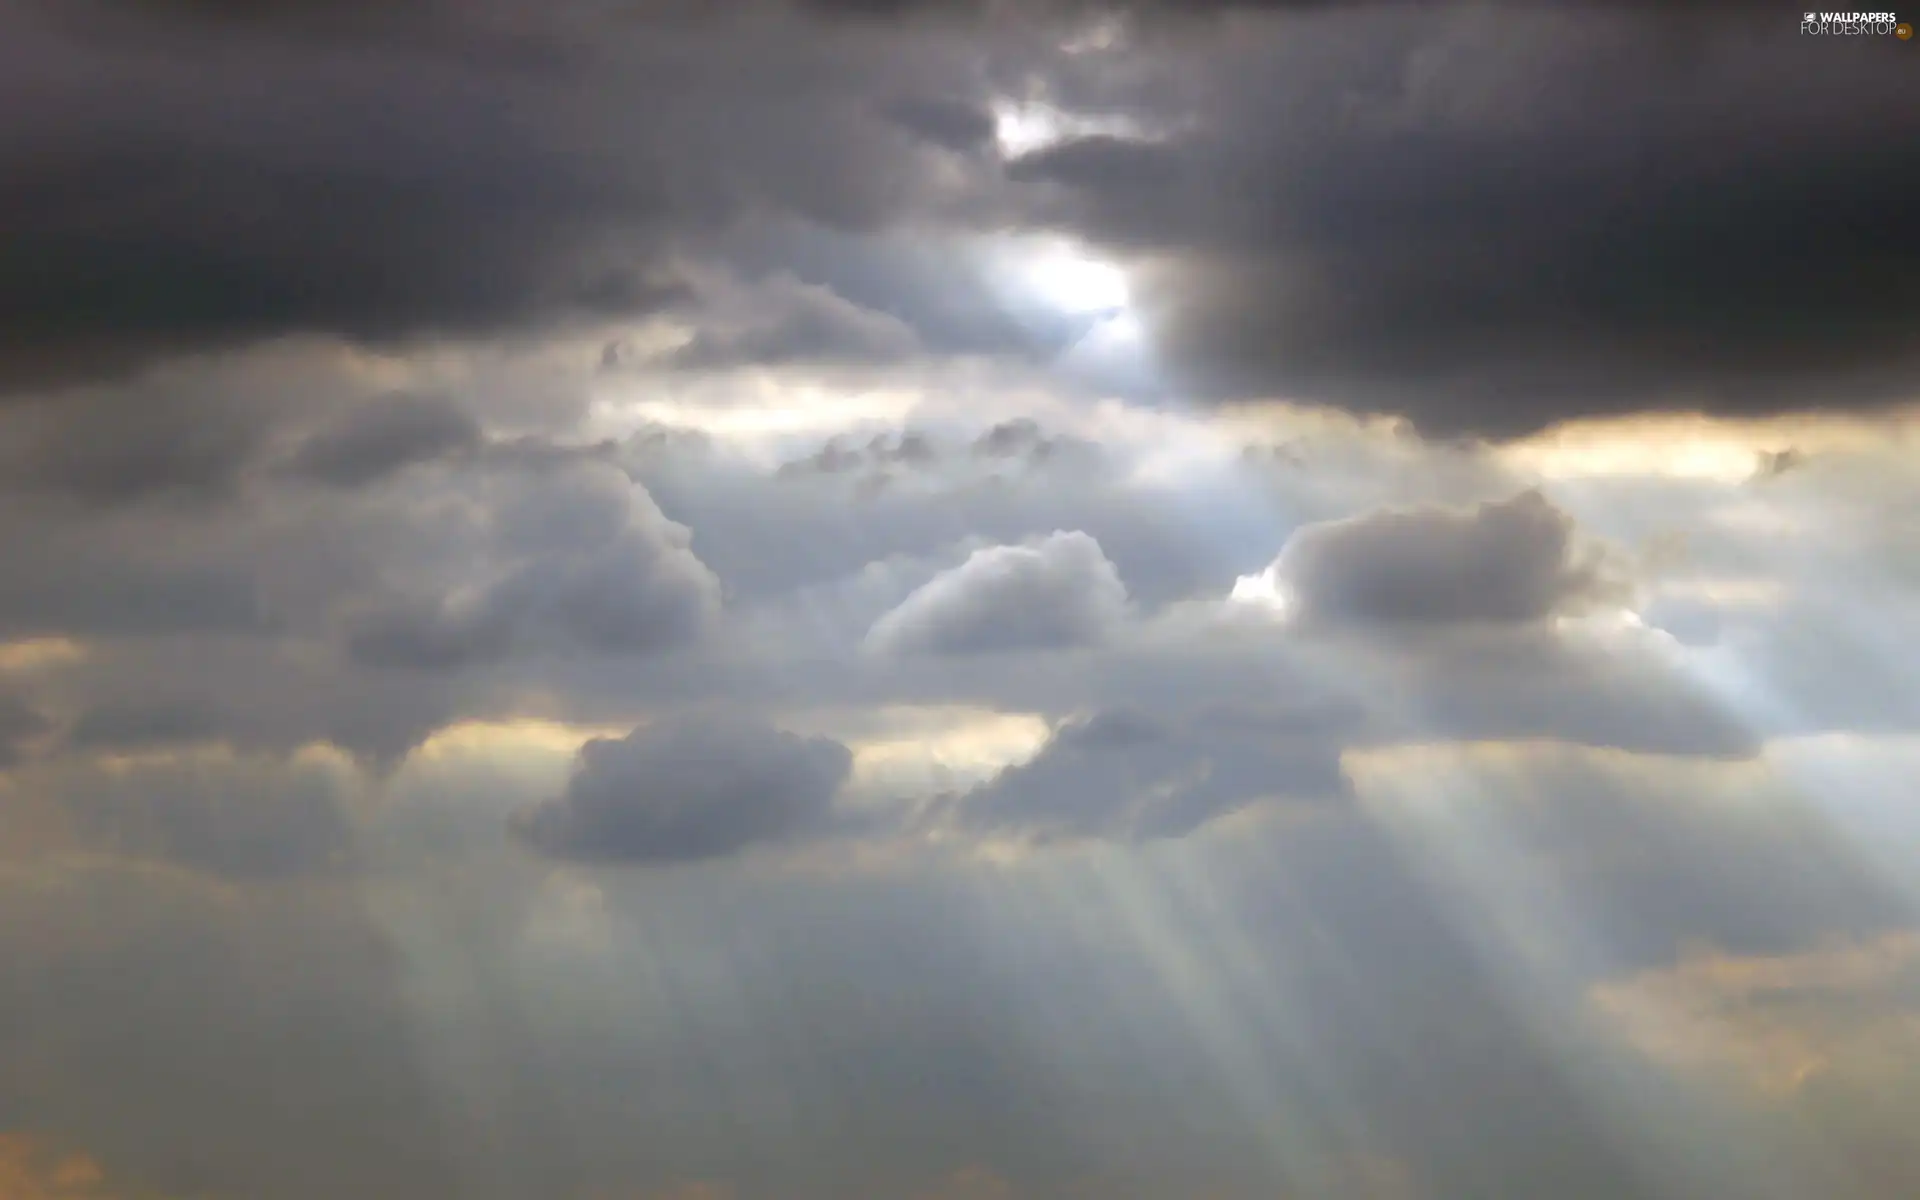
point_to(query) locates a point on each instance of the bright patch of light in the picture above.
(36, 654)
(760, 406)
(1074, 282)
(1684, 446)
(1263, 590)
(1026, 127)
(962, 750)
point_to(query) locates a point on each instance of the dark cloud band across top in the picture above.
(1484, 218)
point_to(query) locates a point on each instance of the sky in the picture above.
(944, 600)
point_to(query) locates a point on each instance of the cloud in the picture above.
(383, 436)
(1127, 776)
(1505, 562)
(640, 159)
(949, 123)
(388, 614)
(1765, 1019)
(122, 725)
(688, 789)
(1452, 214)
(783, 322)
(1054, 592)
(582, 560)
(20, 723)
(162, 1006)
(234, 817)
(173, 446)
(362, 177)
(838, 456)
(33, 1168)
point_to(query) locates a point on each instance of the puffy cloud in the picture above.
(1056, 592)
(581, 561)
(688, 789)
(1508, 562)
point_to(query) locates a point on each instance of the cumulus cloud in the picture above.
(1506, 562)
(688, 789)
(582, 561)
(1055, 592)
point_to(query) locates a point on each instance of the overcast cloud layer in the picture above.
(956, 601)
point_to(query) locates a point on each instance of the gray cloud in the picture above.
(1491, 219)
(949, 123)
(121, 725)
(1512, 561)
(1058, 591)
(1487, 220)
(174, 446)
(1128, 776)
(20, 722)
(240, 819)
(788, 322)
(194, 1000)
(1310, 905)
(460, 173)
(580, 561)
(382, 436)
(687, 790)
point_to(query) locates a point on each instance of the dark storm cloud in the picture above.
(1491, 218)
(1484, 217)
(201, 184)
(688, 790)
(384, 436)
